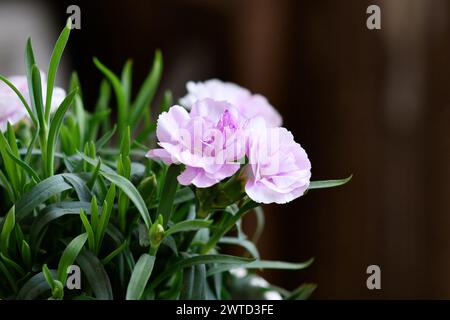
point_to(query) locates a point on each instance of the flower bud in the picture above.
(58, 290)
(156, 234)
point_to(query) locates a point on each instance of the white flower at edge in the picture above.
(12, 109)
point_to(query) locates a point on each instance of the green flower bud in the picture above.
(58, 290)
(156, 234)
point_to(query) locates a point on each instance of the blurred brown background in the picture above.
(372, 103)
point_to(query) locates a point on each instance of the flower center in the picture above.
(226, 121)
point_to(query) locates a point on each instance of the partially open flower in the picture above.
(209, 141)
(249, 105)
(11, 108)
(279, 169)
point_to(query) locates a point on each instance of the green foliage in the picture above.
(139, 278)
(76, 188)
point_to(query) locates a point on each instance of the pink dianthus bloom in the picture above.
(279, 169)
(249, 105)
(209, 141)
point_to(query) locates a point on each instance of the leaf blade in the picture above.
(130, 190)
(53, 66)
(169, 190)
(328, 183)
(140, 276)
(69, 255)
(190, 225)
(148, 89)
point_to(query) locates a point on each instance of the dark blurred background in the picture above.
(372, 103)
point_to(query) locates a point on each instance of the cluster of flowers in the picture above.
(221, 130)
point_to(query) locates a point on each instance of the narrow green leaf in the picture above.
(328, 183)
(303, 292)
(35, 287)
(126, 80)
(139, 277)
(30, 61)
(247, 245)
(125, 145)
(194, 283)
(40, 193)
(96, 275)
(262, 264)
(79, 185)
(53, 212)
(9, 164)
(147, 91)
(95, 120)
(12, 141)
(104, 96)
(5, 183)
(95, 173)
(55, 126)
(108, 204)
(103, 103)
(36, 96)
(94, 162)
(53, 66)
(190, 225)
(48, 276)
(8, 226)
(88, 228)
(120, 95)
(218, 285)
(188, 283)
(105, 138)
(94, 213)
(11, 280)
(12, 264)
(29, 152)
(199, 292)
(80, 121)
(25, 166)
(69, 255)
(113, 254)
(168, 193)
(133, 194)
(266, 264)
(26, 253)
(200, 259)
(75, 83)
(170, 242)
(18, 235)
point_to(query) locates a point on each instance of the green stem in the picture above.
(228, 225)
(43, 134)
(153, 250)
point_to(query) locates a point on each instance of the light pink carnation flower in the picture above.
(11, 108)
(279, 169)
(209, 141)
(249, 105)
